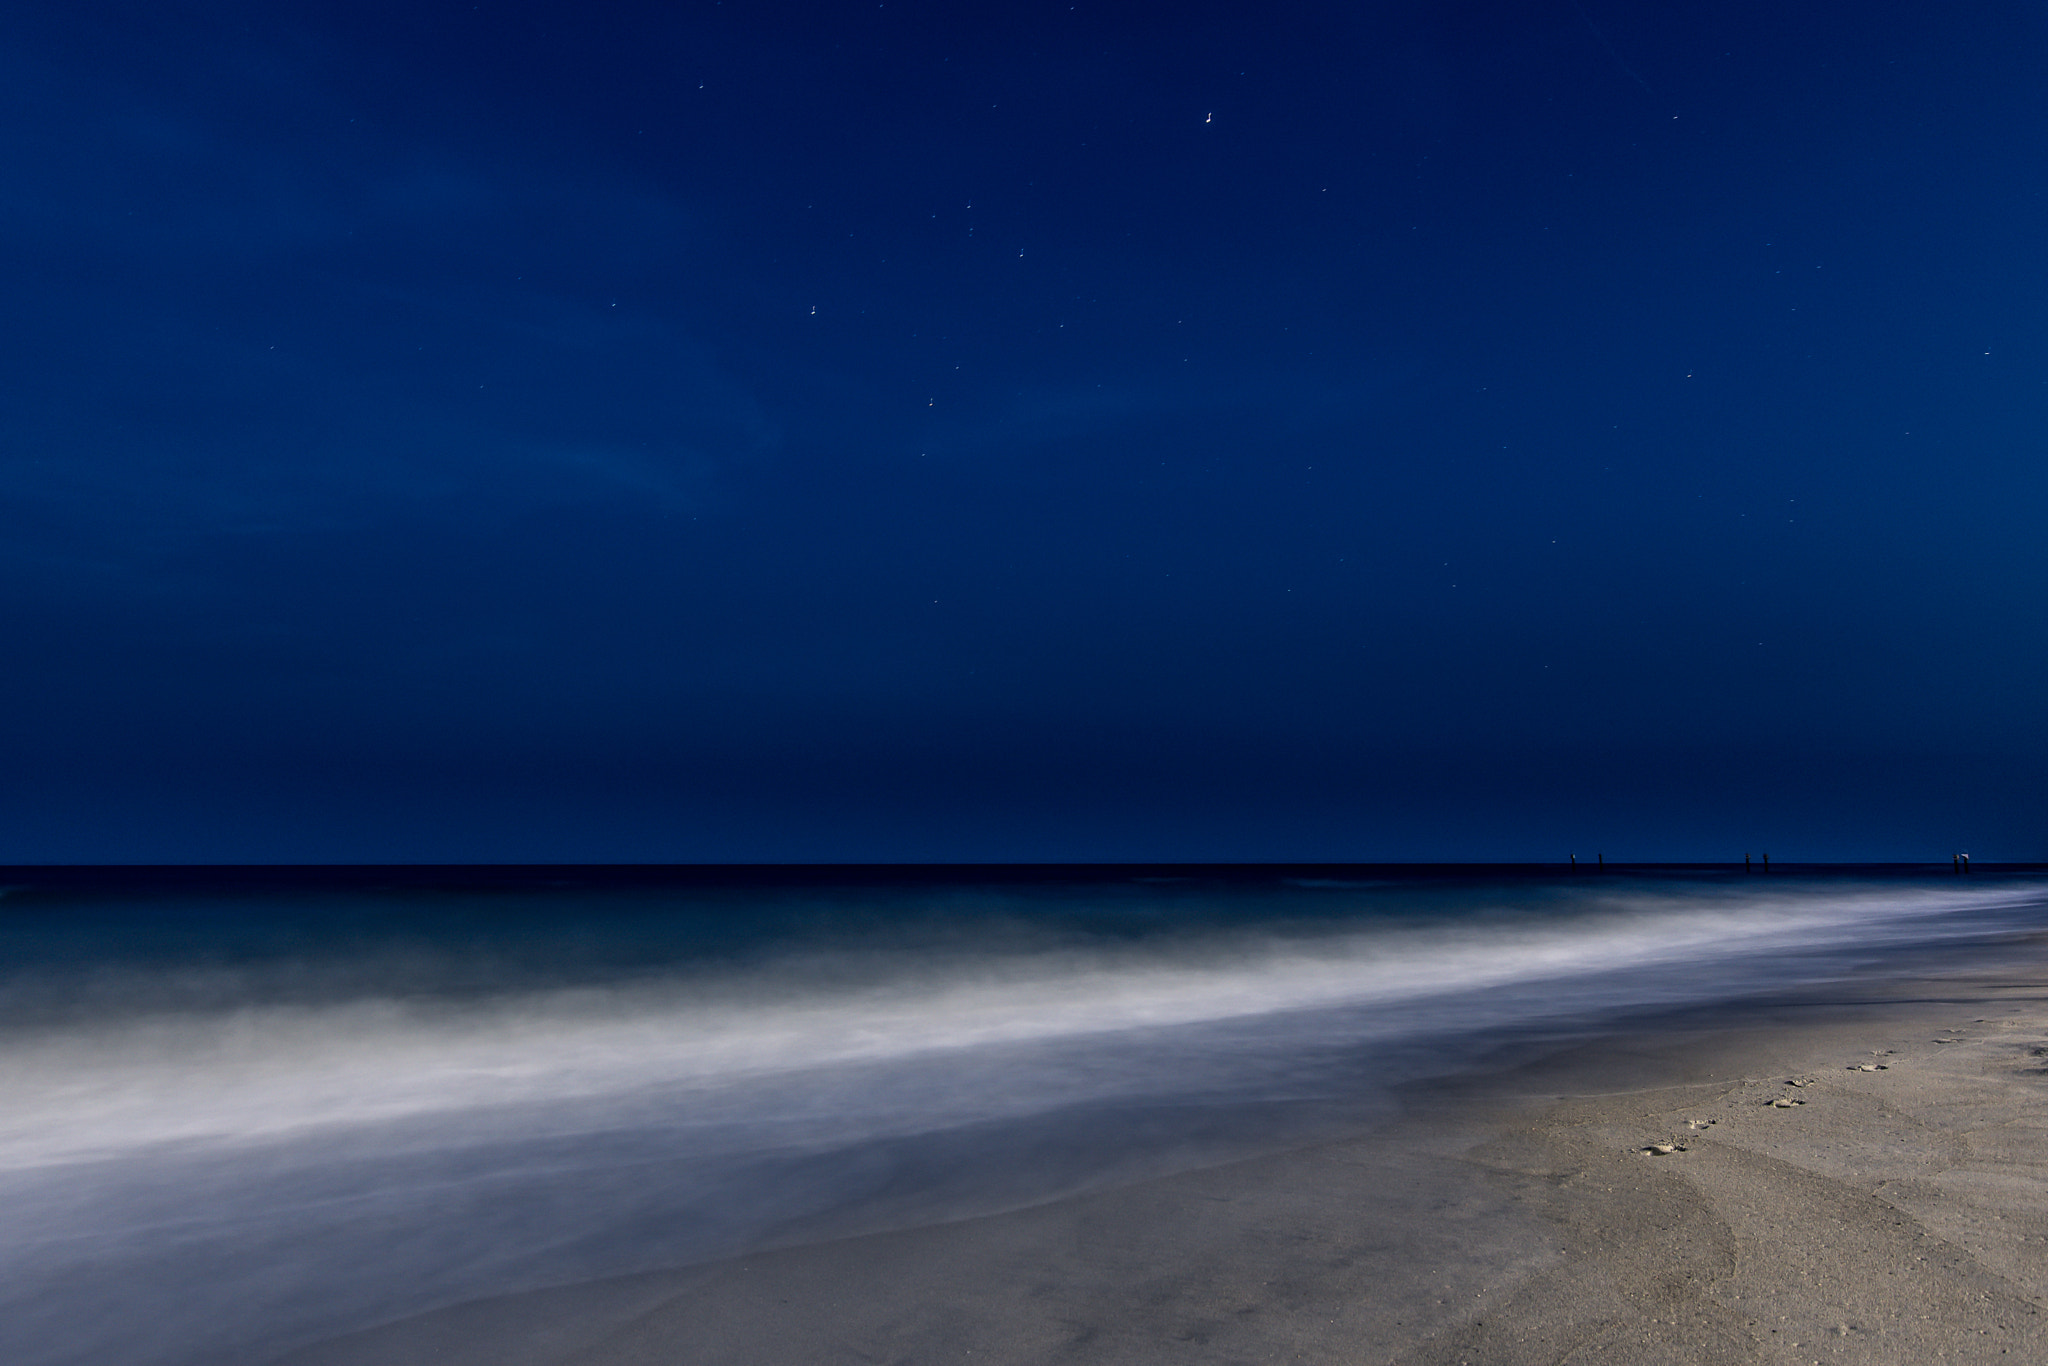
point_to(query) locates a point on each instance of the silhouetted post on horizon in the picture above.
(1767, 861)
(1575, 860)
(1603, 861)
(1966, 863)
(1745, 864)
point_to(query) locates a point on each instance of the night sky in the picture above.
(765, 431)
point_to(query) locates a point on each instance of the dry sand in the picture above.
(1894, 1215)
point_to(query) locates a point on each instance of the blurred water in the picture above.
(241, 1118)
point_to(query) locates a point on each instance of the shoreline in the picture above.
(1511, 1215)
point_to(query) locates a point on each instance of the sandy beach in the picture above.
(1857, 1179)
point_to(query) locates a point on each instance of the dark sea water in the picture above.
(240, 1111)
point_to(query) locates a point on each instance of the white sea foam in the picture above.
(254, 1073)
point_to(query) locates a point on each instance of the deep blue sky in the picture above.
(746, 430)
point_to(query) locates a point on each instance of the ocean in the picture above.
(245, 1110)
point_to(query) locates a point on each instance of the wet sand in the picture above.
(1896, 1214)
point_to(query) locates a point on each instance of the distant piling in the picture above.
(1956, 862)
(1767, 861)
(1746, 864)
(1603, 861)
(1575, 861)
